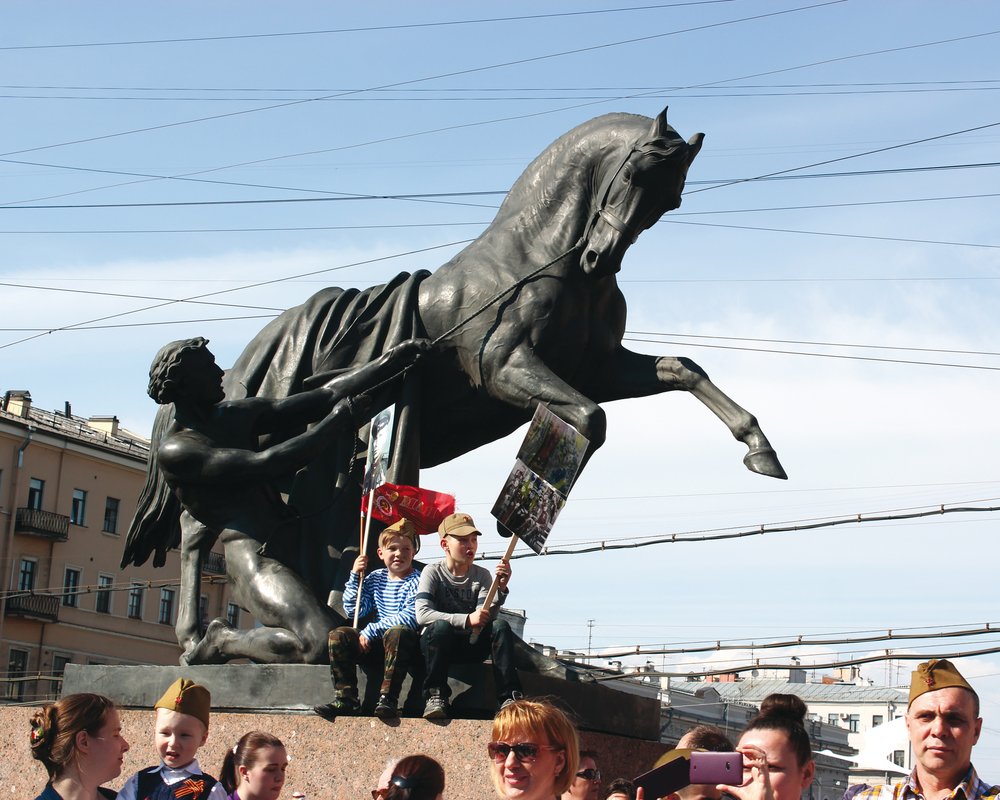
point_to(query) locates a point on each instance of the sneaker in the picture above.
(385, 708)
(514, 696)
(340, 707)
(437, 707)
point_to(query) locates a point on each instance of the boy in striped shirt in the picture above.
(391, 637)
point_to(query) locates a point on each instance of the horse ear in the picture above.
(694, 146)
(660, 129)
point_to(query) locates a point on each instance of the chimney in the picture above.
(108, 425)
(18, 403)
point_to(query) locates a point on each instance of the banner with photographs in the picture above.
(379, 449)
(538, 485)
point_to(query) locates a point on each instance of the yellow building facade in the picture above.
(68, 490)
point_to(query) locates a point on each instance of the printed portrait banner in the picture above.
(379, 449)
(553, 449)
(537, 487)
(423, 507)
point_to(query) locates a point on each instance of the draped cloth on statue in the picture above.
(334, 331)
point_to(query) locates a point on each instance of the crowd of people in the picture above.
(534, 753)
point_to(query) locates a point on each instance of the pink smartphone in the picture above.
(716, 768)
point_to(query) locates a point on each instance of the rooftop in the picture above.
(756, 689)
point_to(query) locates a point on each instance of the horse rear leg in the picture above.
(682, 373)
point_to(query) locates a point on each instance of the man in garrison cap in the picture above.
(943, 723)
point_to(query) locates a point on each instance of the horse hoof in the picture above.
(765, 462)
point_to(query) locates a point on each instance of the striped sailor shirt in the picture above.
(395, 601)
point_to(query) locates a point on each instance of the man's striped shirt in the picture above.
(971, 788)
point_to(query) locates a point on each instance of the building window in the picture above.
(35, 488)
(59, 664)
(877, 719)
(103, 605)
(135, 601)
(71, 587)
(203, 611)
(17, 667)
(166, 606)
(833, 719)
(78, 509)
(897, 757)
(26, 577)
(111, 515)
(233, 615)
(854, 723)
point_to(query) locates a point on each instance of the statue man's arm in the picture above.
(188, 457)
(316, 403)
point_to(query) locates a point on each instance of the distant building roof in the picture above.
(102, 432)
(756, 689)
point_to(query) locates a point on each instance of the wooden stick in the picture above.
(365, 527)
(495, 585)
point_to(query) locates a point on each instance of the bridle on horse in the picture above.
(604, 212)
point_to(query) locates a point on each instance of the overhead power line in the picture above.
(367, 28)
(889, 655)
(632, 543)
(799, 641)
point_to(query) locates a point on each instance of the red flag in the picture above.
(423, 507)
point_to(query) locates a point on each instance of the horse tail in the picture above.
(156, 524)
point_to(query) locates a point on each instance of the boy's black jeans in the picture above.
(442, 645)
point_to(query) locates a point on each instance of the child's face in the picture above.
(397, 555)
(461, 549)
(265, 777)
(178, 737)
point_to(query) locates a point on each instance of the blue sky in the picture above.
(898, 249)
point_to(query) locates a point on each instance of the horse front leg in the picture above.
(639, 375)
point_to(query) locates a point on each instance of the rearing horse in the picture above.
(528, 313)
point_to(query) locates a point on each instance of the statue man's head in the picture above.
(185, 368)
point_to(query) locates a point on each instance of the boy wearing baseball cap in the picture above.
(181, 728)
(450, 602)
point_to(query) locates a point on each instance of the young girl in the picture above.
(78, 740)
(255, 768)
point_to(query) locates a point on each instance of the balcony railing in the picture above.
(34, 606)
(214, 564)
(42, 523)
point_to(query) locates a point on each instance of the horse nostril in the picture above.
(591, 256)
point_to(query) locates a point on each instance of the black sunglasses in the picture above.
(589, 774)
(524, 752)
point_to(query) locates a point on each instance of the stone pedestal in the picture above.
(273, 688)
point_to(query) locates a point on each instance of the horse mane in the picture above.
(578, 148)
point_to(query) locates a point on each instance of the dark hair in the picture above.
(591, 754)
(55, 725)
(163, 370)
(416, 777)
(244, 755)
(785, 713)
(707, 737)
(622, 786)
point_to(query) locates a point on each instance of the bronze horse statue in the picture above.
(528, 313)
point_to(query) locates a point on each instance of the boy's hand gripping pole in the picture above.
(365, 527)
(493, 586)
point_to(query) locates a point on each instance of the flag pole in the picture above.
(495, 585)
(365, 528)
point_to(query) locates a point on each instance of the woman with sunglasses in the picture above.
(417, 777)
(535, 751)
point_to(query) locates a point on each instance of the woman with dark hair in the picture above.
(778, 762)
(255, 768)
(416, 777)
(535, 751)
(79, 741)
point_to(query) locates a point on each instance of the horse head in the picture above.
(646, 184)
